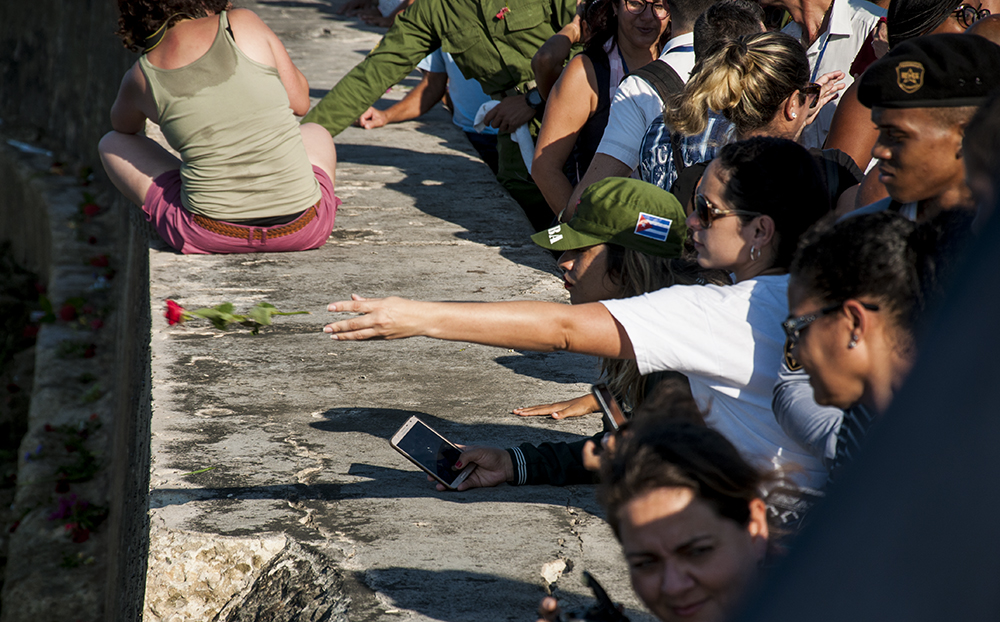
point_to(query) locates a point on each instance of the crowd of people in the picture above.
(757, 205)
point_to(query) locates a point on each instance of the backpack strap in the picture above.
(661, 77)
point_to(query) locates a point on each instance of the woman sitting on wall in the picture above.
(224, 92)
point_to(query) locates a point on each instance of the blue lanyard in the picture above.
(819, 59)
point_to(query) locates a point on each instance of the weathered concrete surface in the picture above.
(294, 426)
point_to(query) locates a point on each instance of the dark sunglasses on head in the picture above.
(795, 325)
(968, 15)
(812, 90)
(707, 212)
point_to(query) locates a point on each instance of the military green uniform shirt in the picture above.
(494, 51)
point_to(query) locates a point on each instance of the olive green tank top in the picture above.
(229, 118)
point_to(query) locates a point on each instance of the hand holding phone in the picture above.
(431, 452)
(612, 413)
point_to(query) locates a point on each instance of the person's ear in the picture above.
(758, 529)
(860, 323)
(792, 108)
(764, 231)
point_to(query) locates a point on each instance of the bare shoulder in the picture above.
(253, 36)
(580, 71)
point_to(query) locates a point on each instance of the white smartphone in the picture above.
(611, 411)
(431, 452)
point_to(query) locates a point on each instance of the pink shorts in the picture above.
(179, 228)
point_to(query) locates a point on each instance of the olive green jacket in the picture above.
(489, 45)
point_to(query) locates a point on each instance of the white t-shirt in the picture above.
(637, 104)
(729, 342)
(836, 48)
(466, 95)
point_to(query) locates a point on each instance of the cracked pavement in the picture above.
(263, 440)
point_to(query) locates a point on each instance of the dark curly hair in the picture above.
(138, 19)
(670, 450)
(883, 258)
(601, 21)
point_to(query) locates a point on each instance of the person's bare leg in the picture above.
(320, 148)
(133, 162)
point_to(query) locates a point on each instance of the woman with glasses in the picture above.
(851, 324)
(625, 35)
(726, 339)
(852, 130)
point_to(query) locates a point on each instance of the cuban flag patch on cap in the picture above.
(653, 227)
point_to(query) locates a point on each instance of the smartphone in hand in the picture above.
(612, 413)
(431, 452)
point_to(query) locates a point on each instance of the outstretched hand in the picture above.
(493, 467)
(383, 318)
(583, 405)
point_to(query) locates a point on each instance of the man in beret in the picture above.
(922, 95)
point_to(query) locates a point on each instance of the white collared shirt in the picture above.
(637, 104)
(835, 49)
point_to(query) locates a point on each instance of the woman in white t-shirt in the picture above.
(752, 204)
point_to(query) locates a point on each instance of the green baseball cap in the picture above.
(623, 211)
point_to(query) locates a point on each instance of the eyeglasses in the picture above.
(707, 213)
(795, 325)
(636, 7)
(812, 89)
(968, 15)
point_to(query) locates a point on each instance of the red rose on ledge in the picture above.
(174, 314)
(91, 209)
(67, 313)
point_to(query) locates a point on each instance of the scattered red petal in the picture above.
(90, 352)
(81, 535)
(99, 261)
(14, 527)
(91, 209)
(67, 313)
(93, 416)
(49, 428)
(96, 324)
(13, 388)
(30, 331)
(91, 240)
(87, 310)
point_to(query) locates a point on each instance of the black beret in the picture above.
(933, 71)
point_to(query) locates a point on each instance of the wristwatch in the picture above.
(534, 99)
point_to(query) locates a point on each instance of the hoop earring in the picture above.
(754, 253)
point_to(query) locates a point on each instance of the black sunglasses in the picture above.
(812, 89)
(968, 15)
(707, 212)
(795, 325)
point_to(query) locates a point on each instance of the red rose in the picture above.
(99, 261)
(67, 313)
(91, 209)
(81, 535)
(174, 314)
(503, 13)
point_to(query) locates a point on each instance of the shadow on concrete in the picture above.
(383, 423)
(471, 596)
(380, 483)
(541, 365)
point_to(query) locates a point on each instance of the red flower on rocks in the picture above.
(174, 314)
(67, 313)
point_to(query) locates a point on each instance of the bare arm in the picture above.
(852, 130)
(127, 114)
(540, 326)
(548, 61)
(601, 167)
(572, 102)
(417, 102)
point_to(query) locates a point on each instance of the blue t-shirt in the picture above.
(466, 95)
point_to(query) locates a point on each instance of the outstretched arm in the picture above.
(417, 102)
(540, 326)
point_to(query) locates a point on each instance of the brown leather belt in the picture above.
(254, 233)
